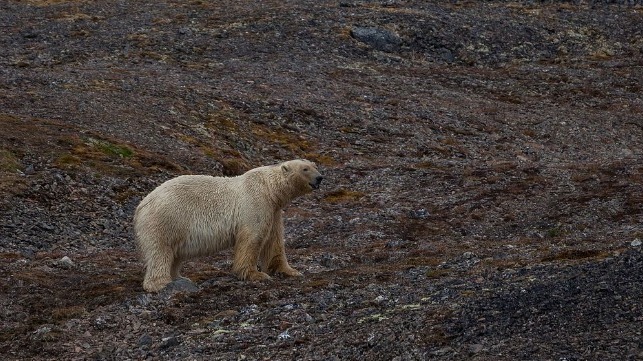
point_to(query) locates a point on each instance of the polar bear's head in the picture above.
(302, 175)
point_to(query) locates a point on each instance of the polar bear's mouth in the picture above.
(315, 184)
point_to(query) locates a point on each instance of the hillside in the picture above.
(483, 197)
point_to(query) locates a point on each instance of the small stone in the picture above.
(177, 286)
(392, 244)
(475, 348)
(225, 314)
(145, 340)
(442, 351)
(308, 318)
(65, 262)
(39, 333)
(419, 214)
(143, 299)
(468, 255)
(636, 243)
(327, 260)
(168, 342)
(250, 309)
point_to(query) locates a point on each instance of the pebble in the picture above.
(419, 214)
(636, 243)
(442, 351)
(145, 340)
(168, 342)
(468, 255)
(179, 285)
(41, 331)
(66, 262)
(226, 314)
(475, 348)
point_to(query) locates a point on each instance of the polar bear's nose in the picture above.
(317, 182)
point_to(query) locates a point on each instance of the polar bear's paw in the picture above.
(257, 276)
(291, 272)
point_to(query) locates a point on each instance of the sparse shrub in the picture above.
(67, 160)
(110, 148)
(8, 161)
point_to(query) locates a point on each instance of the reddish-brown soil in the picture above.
(483, 162)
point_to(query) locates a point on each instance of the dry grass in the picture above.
(343, 196)
(293, 142)
(8, 161)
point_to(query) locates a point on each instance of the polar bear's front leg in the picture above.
(246, 254)
(273, 253)
(273, 259)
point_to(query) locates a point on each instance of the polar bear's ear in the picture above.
(285, 168)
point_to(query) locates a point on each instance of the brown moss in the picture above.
(234, 166)
(293, 142)
(502, 264)
(65, 313)
(320, 159)
(317, 283)
(9, 256)
(35, 276)
(423, 261)
(222, 121)
(8, 161)
(573, 254)
(343, 196)
(67, 161)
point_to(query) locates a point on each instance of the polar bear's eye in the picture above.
(305, 169)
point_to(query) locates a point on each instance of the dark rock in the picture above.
(475, 348)
(327, 260)
(169, 342)
(379, 39)
(419, 214)
(178, 286)
(145, 340)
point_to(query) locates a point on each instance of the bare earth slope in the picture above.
(484, 165)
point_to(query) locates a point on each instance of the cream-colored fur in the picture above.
(197, 215)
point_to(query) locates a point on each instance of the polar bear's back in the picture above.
(191, 214)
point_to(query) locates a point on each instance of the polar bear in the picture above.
(197, 215)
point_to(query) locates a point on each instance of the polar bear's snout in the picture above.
(316, 182)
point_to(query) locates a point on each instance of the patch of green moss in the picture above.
(111, 148)
(8, 161)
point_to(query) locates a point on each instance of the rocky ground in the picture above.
(483, 162)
